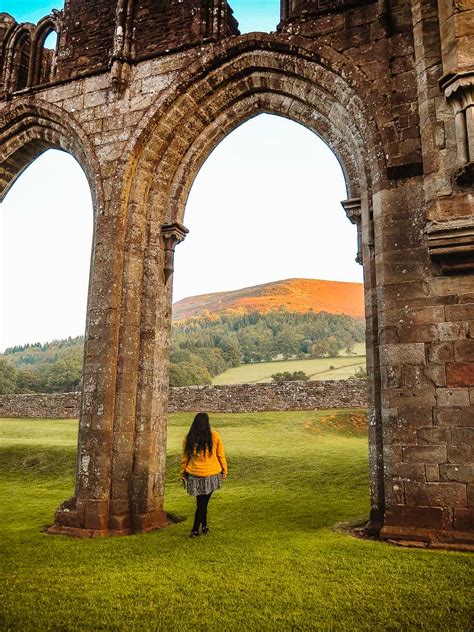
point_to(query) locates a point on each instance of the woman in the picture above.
(203, 465)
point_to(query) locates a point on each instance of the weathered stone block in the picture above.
(413, 353)
(459, 374)
(470, 495)
(424, 454)
(448, 416)
(452, 397)
(463, 435)
(423, 517)
(432, 472)
(460, 454)
(464, 350)
(436, 373)
(97, 515)
(415, 417)
(406, 397)
(439, 352)
(452, 330)
(467, 415)
(433, 435)
(460, 312)
(464, 519)
(435, 494)
(409, 471)
(458, 473)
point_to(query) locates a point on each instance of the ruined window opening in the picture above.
(264, 15)
(21, 62)
(47, 55)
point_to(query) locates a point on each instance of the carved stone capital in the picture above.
(459, 90)
(452, 244)
(172, 234)
(353, 210)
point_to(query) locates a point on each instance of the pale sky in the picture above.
(264, 207)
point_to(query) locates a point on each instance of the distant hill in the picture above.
(297, 295)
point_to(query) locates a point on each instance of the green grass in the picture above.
(317, 369)
(272, 561)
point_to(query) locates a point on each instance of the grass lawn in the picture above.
(317, 369)
(272, 561)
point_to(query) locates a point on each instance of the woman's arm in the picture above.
(220, 452)
(184, 460)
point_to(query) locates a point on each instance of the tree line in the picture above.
(206, 346)
(201, 348)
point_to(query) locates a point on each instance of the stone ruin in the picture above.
(140, 92)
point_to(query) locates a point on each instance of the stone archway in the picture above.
(166, 156)
(141, 111)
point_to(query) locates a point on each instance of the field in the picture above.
(273, 559)
(317, 369)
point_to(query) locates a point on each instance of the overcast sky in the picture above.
(265, 206)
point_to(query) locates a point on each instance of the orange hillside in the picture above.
(297, 295)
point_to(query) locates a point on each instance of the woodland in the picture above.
(202, 347)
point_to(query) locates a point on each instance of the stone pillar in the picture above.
(87, 512)
(147, 487)
(427, 363)
(122, 433)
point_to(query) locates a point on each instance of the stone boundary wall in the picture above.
(230, 398)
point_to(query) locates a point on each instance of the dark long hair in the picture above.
(199, 437)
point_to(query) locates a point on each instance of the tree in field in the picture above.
(288, 376)
(8, 377)
(319, 349)
(187, 374)
(62, 376)
(333, 346)
(28, 382)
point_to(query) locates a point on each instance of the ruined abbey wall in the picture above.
(140, 93)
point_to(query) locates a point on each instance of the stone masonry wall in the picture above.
(229, 399)
(389, 86)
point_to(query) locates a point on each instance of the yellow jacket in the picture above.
(208, 463)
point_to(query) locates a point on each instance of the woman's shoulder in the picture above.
(215, 434)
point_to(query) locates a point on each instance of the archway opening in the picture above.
(47, 225)
(268, 233)
(271, 255)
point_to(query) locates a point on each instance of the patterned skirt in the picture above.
(203, 485)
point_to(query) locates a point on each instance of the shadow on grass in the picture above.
(37, 461)
(266, 493)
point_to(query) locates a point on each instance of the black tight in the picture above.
(200, 517)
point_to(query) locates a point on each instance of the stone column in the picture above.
(86, 514)
(427, 362)
(149, 452)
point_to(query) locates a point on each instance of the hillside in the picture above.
(297, 295)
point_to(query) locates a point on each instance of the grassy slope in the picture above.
(317, 369)
(271, 562)
(297, 295)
